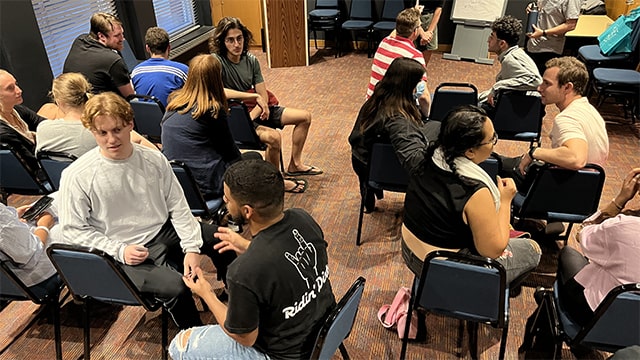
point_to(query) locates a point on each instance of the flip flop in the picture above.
(312, 170)
(301, 186)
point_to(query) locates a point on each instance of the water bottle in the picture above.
(532, 17)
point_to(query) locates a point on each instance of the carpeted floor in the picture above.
(333, 90)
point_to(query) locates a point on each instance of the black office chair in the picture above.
(204, 209)
(360, 20)
(390, 11)
(614, 325)
(338, 324)
(148, 112)
(561, 195)
(325, 17)
(92, 274)
(15, 178)
(449, 95)
(243, 131)
(53, 163)
(13, 289)
(519, 117)
(385, 173)
(466, 287)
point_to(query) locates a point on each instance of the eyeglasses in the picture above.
(493, 141)
(231, 40)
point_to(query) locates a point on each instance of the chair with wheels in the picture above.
(243, 130)
(387, 23)
(561, 195)
(519, 117)
(338, 324)
(449, 95)
(148, 112)
(385, 173)
(53, 162)
(204, 209)
(360, 20)
(614, 324)
(15, 177)
(91, 274)
(325, 17)
(13, 289)
(467, 287)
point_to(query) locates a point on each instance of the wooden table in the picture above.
(590, 26)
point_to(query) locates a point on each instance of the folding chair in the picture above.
(53, 163)
(15, 178)
(148, 112)
(622, 84)
(243, 131)
(561, 195)
(491, 166)
(338, 324)
(360, 20)
(390, 11)
(325, 17)
(385, 173)
(447, 97)
(519, 117)
(614, 324)
(13, 289)
(92, 274)
(199, 206)
(129, 57)
(463, 286)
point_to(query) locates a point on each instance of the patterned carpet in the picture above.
(333, 90)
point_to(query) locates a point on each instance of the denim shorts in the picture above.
(210, 342)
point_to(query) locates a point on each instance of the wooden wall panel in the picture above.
(287, 32)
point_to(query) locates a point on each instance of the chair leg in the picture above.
(503, 342)
(460, 337)
(360, 217)
(281, 161)
(343, 351)
(165, 335)
(87, 330)
(315, 39)
(405, 340)
(472, 329)
(55, 312)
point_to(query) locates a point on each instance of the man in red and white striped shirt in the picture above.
(400, 44)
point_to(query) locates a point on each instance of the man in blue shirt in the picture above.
(158, 76)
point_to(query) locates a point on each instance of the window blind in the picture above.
(175, 16)
(61, 21)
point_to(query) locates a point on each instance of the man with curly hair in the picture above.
(518, 71)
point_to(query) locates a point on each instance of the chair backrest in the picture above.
(518, 116)
(463, 286)
(618, 323)
(385, 170)
(15, 178)
(11, 287)
(447, 97)
(361, 9)
(128, 56)
(326, 4)
(562, 194)
(53, 163)
(241, 127)
(148, 112)
(192, 193)
(491, 166)
(339, 323)
(391, 9)
(92, 274)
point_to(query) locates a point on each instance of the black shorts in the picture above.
(275, 118)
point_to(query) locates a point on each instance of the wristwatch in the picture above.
(544, 33)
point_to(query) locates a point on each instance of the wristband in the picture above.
(531, 151)
(46, 229)
(616, 205)
(544, 33)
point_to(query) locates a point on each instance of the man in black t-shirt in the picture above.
(95, 55)
(279, 289)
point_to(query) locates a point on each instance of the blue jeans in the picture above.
(210, 342)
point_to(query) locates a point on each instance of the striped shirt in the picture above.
(389, 49)
(159, 77)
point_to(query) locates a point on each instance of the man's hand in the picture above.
(230, 240)
(22, 209)
(264, 115)
(197, 283)
(135, 254)
(191, 263)
(537, 32)
(629, 188)
(426, 37)
(524, 163)
(45, 219)
(507, 189)
(490, 99)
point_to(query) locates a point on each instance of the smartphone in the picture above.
(36, 209)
